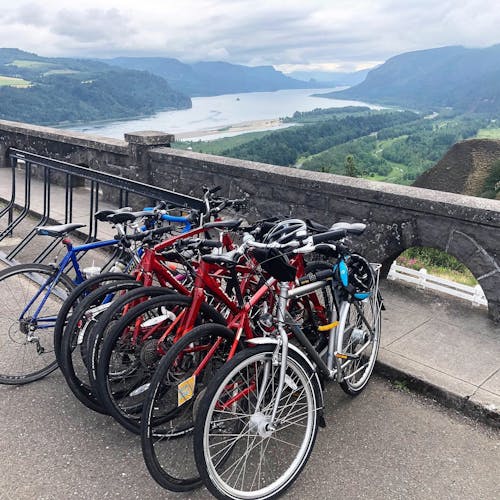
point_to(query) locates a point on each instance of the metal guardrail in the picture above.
(424, 280)
(33, 175)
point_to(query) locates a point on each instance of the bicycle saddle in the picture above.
(59, 230)
(226, 259)
(223, 224)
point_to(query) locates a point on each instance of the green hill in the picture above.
(455, 77)
(45, 90)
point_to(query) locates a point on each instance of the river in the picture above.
(223, 115)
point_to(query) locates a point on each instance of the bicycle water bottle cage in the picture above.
(58, 231)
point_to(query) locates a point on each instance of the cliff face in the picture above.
(463, 169)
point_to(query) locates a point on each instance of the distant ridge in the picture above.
(457, 77)
(465, 169)
(211, 78)
(52, 90)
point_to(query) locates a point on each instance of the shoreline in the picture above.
(234, 129)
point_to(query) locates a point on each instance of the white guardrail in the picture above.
(424, 280)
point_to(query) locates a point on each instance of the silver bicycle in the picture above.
(257, 422)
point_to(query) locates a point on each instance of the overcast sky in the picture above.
(289, 34)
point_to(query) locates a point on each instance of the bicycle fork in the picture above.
(267, 425)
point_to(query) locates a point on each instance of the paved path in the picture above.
(444, 344)
(385, 444)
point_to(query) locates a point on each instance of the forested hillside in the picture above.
(212, 78)
(467, 80)
(381, 145)
(285, 147)
(45, 90)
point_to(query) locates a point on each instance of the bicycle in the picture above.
(265, 405)
(35, 293)
(153, 265)
(182, 375)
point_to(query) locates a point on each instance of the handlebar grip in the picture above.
(334, 235)
(319, 276)
(215, 189)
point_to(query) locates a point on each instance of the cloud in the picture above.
(92, 26)
(313, 32)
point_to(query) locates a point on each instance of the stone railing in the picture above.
(398, 217)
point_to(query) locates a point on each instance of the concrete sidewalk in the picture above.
(441, 346)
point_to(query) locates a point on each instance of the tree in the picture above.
(350, 167)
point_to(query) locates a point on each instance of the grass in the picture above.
(24, 63)
(217, 146)
(488, 133)
(10, 81)
(438, 264)
(61, 72)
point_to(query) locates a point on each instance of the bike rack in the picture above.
(34, 175)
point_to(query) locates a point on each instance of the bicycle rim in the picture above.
(238, 456)
(361, 342)
(27, 319)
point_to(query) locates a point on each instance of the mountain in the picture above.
(330, 78)
(211, 78)
(45, 90)
(455, 77)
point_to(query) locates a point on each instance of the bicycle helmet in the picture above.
(361, 276)
(274, 261)
(286, 231)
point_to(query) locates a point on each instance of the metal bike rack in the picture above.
(32, 172)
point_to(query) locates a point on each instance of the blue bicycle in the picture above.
(32, 295)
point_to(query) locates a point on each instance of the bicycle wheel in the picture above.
(361, 342)
(30, 303)
(82, 290)
(75, 349)
(127, 364)
(238, 454)
(168, 414)
(119, 307)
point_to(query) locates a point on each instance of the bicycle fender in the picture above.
(269, 340)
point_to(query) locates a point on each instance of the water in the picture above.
(212, 117)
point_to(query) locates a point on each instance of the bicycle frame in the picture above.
(50, 283)
(240, 321)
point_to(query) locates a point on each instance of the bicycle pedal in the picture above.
(341, 355)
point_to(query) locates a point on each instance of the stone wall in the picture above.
(398, 217)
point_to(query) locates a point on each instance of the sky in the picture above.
(328, 35)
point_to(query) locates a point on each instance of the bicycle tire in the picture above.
(74, 348)
(248, 431)
(361, 342)
(125, 399)
(19, 286)
(76, 295)
(167, 423)
(105, 323)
